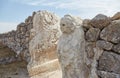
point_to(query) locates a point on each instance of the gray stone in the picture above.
(71, 49)
(104, 44)
(92, 34)
(86, 23)
(29, 19)
(110, 62)
(104, 74)
(89, 48)
(100, 21)
(112, 32)
(116, 48)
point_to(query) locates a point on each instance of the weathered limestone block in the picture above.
(112, 32)
(71, 48)
(42, 46)
(104, 44)
(100, 21)
(109, 62)
(92, 34)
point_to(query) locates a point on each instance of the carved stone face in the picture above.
(67, 24)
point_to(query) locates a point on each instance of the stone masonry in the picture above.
(35, 42)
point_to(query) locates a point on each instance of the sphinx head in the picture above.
(69, 23)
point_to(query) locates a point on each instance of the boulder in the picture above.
(112, 32)
(86, 23)
(92, 34)
(116, 48)
(104, 44)
(116, 16)
(100, 21)
(110, 62)
(104, 74)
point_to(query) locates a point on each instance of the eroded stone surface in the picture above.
(42, 46)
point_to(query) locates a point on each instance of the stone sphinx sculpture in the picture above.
(71, 48)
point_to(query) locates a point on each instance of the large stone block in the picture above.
(100, 21)
(42, 45)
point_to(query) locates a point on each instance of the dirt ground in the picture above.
(17, 69)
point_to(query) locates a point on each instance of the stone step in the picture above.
(44, 68)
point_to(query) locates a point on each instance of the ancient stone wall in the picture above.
(38, 35)
(18, 40)
(102, 47)
(35, 42)
(102, 36)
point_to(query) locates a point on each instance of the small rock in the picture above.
(104, 74)
(112, 32)
(29, 19)
(100, 21)
(92, 34)
(116, 48)
(104, 44)
(116, 16)
(89, 48)
(86, 23)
